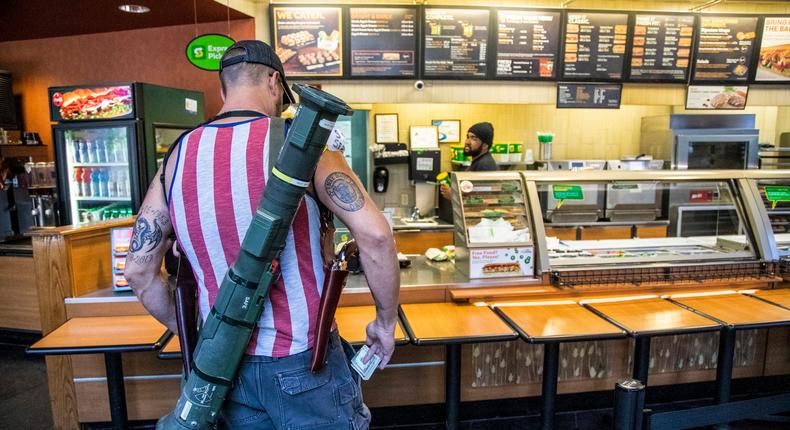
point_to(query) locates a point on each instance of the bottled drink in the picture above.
(96, 183)
(122, 184)
(75, 147)
(120, 151)
(109, 151)
(91, 151)
(83, 151)
(85, 185)
(115, 213)
(112, 191)
(78, 182)
(101, 155)
(104, 177)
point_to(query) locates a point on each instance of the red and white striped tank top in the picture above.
(221, 171)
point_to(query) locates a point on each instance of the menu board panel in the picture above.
(725, 48)
(774, 62)
(383, 41)
(584, 95)
(595, 45)
(309, 40)
(716, 97)
(661, 47)
(527, 43)
(455, 42)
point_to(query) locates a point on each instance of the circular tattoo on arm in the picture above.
(344, 192)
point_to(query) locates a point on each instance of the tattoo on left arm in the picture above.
(147, 235)
(344, 192)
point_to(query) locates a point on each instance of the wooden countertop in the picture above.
(353, 320)
(443, 323)
(67, 230)
(650, 316)
(780, 296)
(85, 335)
(541, 322)
(736, 310)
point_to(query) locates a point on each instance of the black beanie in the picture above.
(484, 131)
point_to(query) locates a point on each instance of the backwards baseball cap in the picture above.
(258, 52)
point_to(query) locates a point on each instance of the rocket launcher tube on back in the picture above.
(228, 327)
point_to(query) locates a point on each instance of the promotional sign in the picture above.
(583, 95)
(309, 40)
(90, 103)
(776, 194)
(774, 62)
(595, 45)
(725, 48)
(716, 97)
(383, 41)
(206, 50)
(455, 42)
(449, 130)
(661, 47)
(527, 43)
(497, 262)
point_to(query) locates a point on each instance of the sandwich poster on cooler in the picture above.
(774, 64)
(81, 104)
(309, 40)
(496, 262)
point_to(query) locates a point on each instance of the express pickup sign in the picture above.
(205, 51)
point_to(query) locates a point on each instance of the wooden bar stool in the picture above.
(452, 325)
(644, 317)
(552, 323)
(110, 336)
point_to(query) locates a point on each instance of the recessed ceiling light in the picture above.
(134, 8)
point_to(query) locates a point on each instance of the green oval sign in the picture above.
(206, 50)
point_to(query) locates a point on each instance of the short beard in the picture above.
(472, 153)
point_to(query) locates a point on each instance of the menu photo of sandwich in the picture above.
(684, 41)
(716, 97)
(620, 29)
(496, 262)
(776, 60)
(94, 103)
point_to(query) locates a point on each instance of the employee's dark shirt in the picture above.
(483, 163)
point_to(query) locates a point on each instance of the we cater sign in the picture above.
(205, 51)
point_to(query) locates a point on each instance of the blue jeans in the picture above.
(283, 394)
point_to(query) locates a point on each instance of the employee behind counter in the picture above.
(479, 139)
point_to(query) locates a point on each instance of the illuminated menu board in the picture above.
(527, 43)
(383, 41)
(595, 45)
(661, 47)
(455, 42)
(725, 48)
(774, 61)
(308, 40)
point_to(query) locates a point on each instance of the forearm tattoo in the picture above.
(344, 192)
(147, 233)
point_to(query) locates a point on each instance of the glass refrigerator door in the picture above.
(164, 136)
(97, 165)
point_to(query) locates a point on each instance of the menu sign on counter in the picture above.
(455, 42)
(725, 48)
(774, 63)
(584, 95)
(527, 43)
(595, 45)
(661, 47)
(383, 41)
(308, 40)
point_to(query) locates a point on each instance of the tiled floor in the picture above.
(24, 404)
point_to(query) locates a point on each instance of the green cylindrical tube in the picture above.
(239, 303)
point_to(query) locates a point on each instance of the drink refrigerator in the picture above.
(109, 141)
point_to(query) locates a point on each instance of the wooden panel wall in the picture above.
(18, 295)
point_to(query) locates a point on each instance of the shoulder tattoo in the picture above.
(344, 192)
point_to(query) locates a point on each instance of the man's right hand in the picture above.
(381, 341)
(446, 192)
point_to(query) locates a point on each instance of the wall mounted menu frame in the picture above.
(309, 39)
(541, 61)
(577, 24)
(773, 49)
(725, 48)
(589, 95)
(361, 51)
(687, 26)
(468, 29)
(716, 97)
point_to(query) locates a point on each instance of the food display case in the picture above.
(120, 239)
(492, 229)
(722, 224)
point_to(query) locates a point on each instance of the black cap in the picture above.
(258, 52)
(484, 131)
